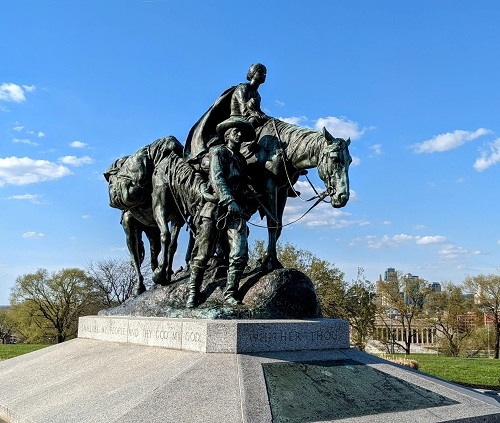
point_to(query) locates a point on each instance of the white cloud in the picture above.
(340, 127)
(430, 239)
(356, 161)
(31, 234)
(78, 144)
(279, 103)
(18, 128)
(489, 158)
(76, 161)
(23, 171)
(377, 149)
(23, 141)
(448, 141)
(11, 92)
(294, 120)
(29, 88)
(396, 240)
(32, 198)
(450, 251)
(41, 134)
(86, 216)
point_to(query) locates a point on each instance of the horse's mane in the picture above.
(292, 136)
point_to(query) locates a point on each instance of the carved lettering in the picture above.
(192, 336)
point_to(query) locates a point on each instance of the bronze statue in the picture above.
(227, 213)
(174, 190)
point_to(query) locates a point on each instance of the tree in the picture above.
(360, 309)
(446, 310)
(114, 278)
(402, 298)
(338, 300)
(53, 302)
(486, 290)
(6, 326)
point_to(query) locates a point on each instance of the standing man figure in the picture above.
(227, 214)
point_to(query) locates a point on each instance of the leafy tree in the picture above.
(6, 326)
(53, 302)
(360, 309)
(487, 296)
(114, 278)
(402, 298)
(445, 309)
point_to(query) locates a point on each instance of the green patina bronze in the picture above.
(330, 390)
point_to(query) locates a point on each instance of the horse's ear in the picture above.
(327, 134)
(348, 142)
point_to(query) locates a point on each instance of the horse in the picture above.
(282, 152)
(130, 190)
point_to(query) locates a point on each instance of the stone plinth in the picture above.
(219, 336)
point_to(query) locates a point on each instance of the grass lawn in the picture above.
(13, 350)
(472, 372)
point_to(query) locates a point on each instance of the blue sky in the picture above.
(414, 84)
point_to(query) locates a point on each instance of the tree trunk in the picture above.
(497, 341)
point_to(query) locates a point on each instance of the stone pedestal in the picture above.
(219, 336)
(162, 370)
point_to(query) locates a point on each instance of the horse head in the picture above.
(333, 168)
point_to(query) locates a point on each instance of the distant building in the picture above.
(390, 274)
(435, 287)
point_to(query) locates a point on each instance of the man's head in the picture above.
(257, 69)
(236, 124)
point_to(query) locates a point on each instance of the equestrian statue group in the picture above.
(236, 161)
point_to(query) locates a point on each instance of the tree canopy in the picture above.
(47, 305)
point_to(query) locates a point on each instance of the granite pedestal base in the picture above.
(103, 381)
(219, 336)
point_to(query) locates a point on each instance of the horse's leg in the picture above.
(153, 235)
(133, 235)
(160, 216)
(172, 247)
(273, 218)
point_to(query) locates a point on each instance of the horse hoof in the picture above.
(267, 265)
(138, 290)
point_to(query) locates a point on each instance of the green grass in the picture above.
(13, 350)
(472, 372)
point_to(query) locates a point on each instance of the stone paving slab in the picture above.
(218, 336)
(93, 381)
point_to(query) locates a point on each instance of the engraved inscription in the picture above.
(106, 330)
(192, 336)
(293, 336)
